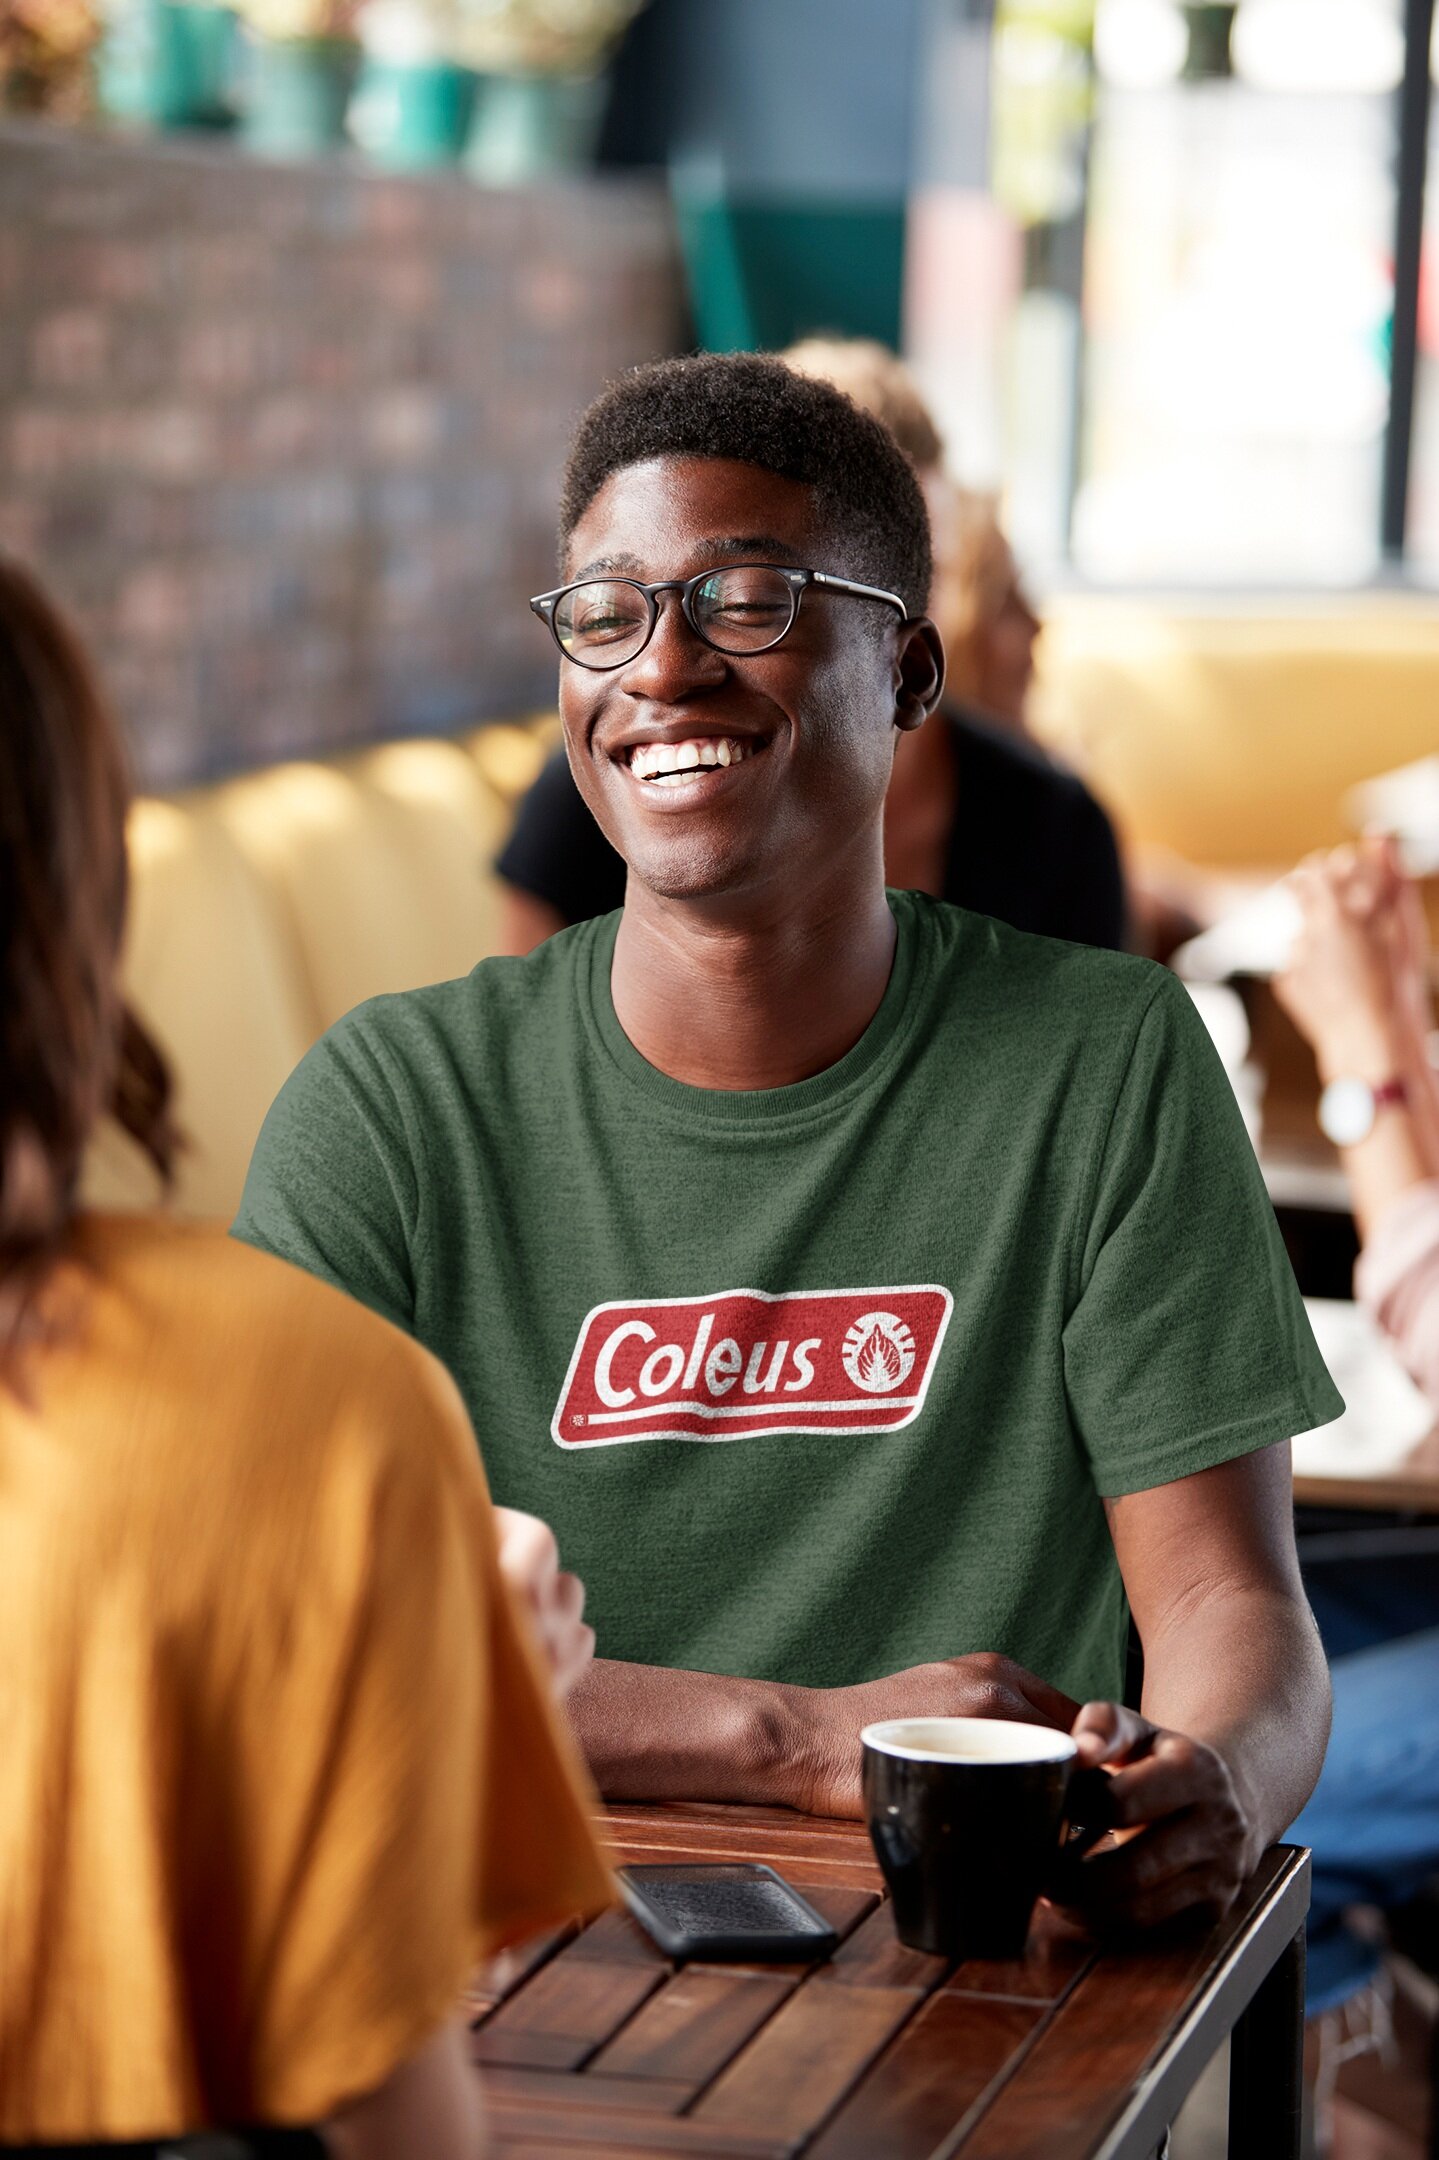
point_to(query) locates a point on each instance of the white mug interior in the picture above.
(968, 1740)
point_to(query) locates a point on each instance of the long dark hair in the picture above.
(69, 1049)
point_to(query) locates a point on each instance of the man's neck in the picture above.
(759, 996)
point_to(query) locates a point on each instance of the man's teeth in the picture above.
(669, 764)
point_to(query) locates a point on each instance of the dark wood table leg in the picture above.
(1266, 2065)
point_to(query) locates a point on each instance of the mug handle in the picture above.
(1087, 1815)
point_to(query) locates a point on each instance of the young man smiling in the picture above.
(952, 1236)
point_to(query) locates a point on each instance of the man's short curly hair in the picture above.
(755, 410)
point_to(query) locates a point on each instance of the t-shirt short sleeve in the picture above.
(332, 1184)
(557, 852)
(1188, 1343)
(430, 1808)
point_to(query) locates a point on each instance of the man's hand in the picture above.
(820, 1772)
(1178, 1839)
(554, 1601)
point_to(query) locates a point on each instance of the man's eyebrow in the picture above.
(608, 566)
(751, 547)
(759, 547)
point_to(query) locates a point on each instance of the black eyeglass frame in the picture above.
(798, 581)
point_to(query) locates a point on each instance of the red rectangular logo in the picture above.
(741, 1362)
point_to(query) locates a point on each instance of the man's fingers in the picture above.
(1174, 1776)
(1054, 1707)
(1197, 1889)
(1106, 1732)
(1112, 1879)
(989, 1685)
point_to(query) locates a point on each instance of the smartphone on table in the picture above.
(727, 1910)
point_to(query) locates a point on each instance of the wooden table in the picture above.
(596, 2047)
(1407, 1491)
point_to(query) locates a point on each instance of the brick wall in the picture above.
(288, 439)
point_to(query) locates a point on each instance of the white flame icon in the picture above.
(878, 1352)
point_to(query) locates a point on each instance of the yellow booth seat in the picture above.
(1233, 738)
(265, 907)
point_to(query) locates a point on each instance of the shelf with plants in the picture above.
(511, 90)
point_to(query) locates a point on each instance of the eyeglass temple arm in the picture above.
(864, 592)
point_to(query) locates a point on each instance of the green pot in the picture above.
(766, 269)
(296, 94)
(534, 127)
(167, 63)
(1211, 28)
(412, 116)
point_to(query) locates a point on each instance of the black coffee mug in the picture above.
(967, 1817)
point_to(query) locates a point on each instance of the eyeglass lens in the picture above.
(605, 621)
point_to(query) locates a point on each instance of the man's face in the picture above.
(810, 724)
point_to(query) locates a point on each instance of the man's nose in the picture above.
(675, 659)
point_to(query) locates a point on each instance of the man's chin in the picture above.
(692, 873)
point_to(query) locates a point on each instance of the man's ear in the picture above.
(918, 673)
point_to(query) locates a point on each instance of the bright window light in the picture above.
(1139, 44)
(1333, 46)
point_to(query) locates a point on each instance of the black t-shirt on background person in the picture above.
(1029, 845)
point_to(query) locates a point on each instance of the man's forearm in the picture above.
(655, 1734)
(651, 1733)
(1245, 1673)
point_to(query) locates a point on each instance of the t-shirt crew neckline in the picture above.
(749, 1109)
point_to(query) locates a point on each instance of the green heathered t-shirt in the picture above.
(821, 1381)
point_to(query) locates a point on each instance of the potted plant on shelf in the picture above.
(166, 63)
(542, 97)
(301, 58)
(412, 105)
(45, 48)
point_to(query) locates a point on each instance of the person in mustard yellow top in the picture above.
(280, 1759)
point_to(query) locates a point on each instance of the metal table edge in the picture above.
(1213, 2015)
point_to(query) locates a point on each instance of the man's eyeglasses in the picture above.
(745, 608)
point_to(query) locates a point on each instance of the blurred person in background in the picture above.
(279, 1762)
(1357, 987)
(976, 813)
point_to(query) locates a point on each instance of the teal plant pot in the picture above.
(412, 116)
(534, 127)
(296, 92)
(167, 63)
(767, 269)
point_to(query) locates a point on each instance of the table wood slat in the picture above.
(692, 2027)
(804, 2061)
(584, 2000)
(945, 2059)
(874, 1956)
(558, 2142)
(614, 1938)
(820, 1850)
(500, 1976)
(660, 2096)
(517, 2049)
(1087, 2059)
(638, 2130)
(1054, 1957)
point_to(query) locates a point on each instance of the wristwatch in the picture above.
(1348, 1108)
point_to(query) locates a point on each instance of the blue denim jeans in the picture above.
(1373, 1820)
